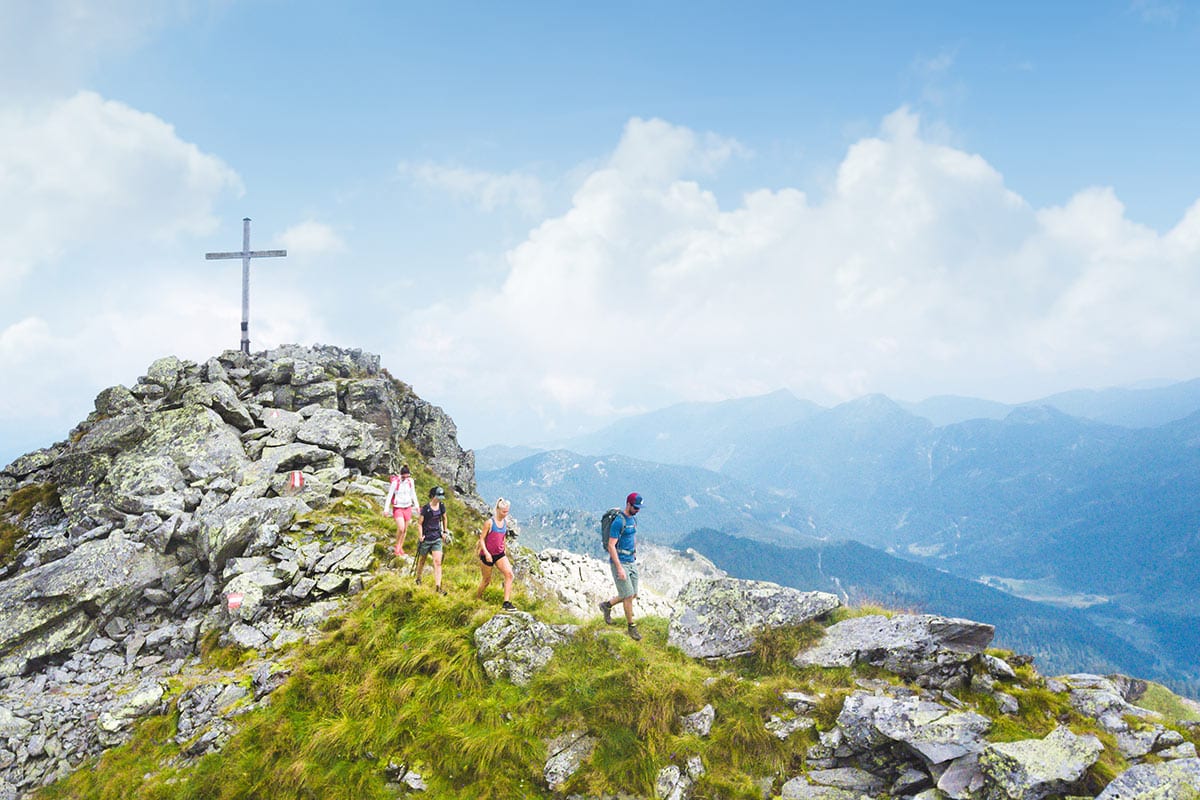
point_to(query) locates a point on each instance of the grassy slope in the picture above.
(396, 679)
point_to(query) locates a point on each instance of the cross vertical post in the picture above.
(245, 255)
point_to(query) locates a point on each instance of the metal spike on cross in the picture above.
(245, 255)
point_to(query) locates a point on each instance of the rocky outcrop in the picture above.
(719, 618)
(174, 516)
(514, 645)
(934, 651)
(1034, 768)
(1162, 781)
(565, 754)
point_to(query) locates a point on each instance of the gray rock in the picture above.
(963, 779)
(12, 726)
(850, 778)
(699, 723)
(799, 788)
(515, 645)
(931, 731)
(1165, 781)
(1034, 768)
(221, 399)
(247, 636)
(932, 649)
(165, 372)
(565, 753)
(45, 610)
(719, 617)
(672, 783)
(783, 727)
(227, 530)
(333, 430)
(331, 583)
(268, 678)
(112, 724)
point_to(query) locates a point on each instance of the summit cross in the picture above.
(245, 255)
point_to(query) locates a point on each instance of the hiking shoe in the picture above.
(606, 610)
(633, 632)
(508, 606)
(418, 581)
(440, 590)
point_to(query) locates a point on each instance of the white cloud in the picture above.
(489, 190)
(47, 44)
(309, 240)
(86, 169)
(48, 364)
(919, 273)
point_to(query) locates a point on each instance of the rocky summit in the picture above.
(206, 550)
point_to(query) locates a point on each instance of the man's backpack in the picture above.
(606, 522)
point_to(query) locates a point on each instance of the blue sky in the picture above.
(546, 215)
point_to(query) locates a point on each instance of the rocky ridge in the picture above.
(171, 518)
(173, 524)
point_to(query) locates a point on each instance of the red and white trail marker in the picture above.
(234, 599)
(297, 479)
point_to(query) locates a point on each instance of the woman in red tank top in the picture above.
(491, 552)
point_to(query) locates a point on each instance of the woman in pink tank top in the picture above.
(491, 552)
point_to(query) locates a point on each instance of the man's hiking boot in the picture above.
(508, 606)
(633, 632)
(606, 610)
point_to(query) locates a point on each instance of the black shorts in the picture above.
(495, 559)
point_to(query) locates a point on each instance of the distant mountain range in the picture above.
(668, 435)
(1089, 501)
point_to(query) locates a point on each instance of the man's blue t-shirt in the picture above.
(623, 530)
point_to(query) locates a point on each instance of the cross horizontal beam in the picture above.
(244, 254)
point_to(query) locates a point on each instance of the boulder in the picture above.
(44, 611)
(1034, 768)
(114, 434)
(145, 700)
(514, 645)
(719, 617)
(165, 372)
(931, 649)
(33, 462)
(800, 788)
(565, 753)
(1165, 781)
(931, 731)
(333, 430)
(221, 399)
(699, 723)
(229, 529)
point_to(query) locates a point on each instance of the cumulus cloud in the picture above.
(489, 190)
(310, 240)
(46, 362)
(86, 169)
(919, 273)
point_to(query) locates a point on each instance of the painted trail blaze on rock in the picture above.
(719, 617)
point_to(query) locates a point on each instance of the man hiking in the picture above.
(622, 558)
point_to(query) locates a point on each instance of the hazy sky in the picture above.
(545, 214)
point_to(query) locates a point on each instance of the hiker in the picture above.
(402, 502)
(434, 529)
(622, 557)
(491, 553)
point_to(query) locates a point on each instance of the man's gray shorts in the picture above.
(629, 586)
